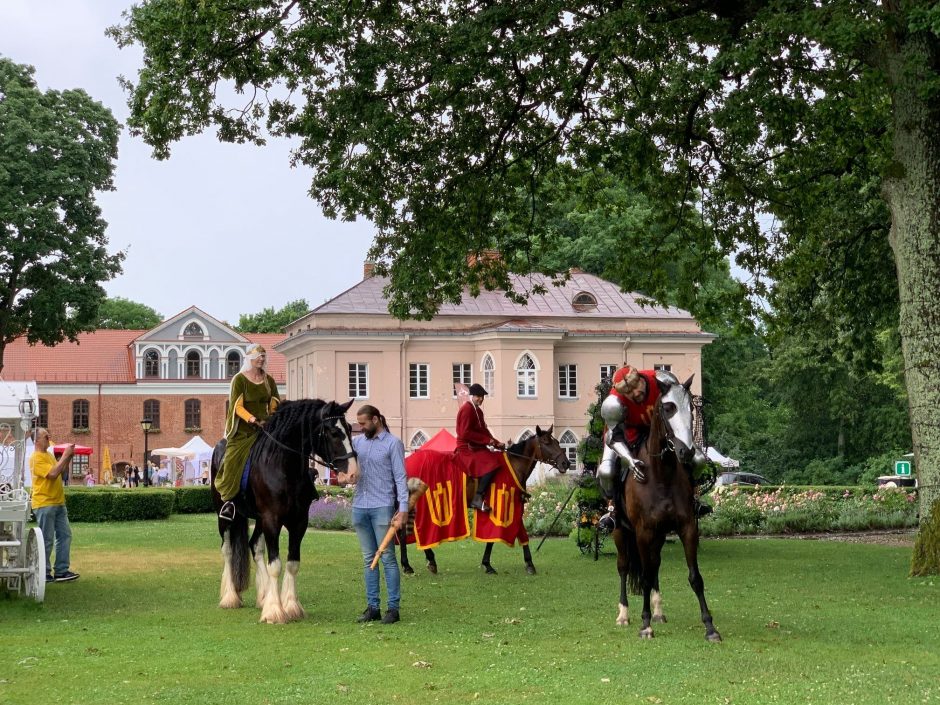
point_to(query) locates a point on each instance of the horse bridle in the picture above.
(540, 457)
(331, 463)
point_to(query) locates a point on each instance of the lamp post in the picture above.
(27, 409)
(145, 426)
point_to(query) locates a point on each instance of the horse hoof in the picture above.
(274, 615)
(407, 570)
(646, 633)
(230, 602)
(530, 569)
(713, 637)
(432, 568)
(490, 570)
(623, 616)
(294, 612)
(659, 618)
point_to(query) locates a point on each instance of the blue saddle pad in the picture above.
(244, 482)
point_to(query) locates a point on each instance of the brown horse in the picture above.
(662, 504)
(542, 447)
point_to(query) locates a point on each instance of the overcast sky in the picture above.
(195, 226)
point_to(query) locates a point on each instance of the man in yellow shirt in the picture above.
(49, 505)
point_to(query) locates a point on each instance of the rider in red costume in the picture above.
(473, 437)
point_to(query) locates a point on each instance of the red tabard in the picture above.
(472, 436)
(637, 417)
(441, 512)
(504, 521)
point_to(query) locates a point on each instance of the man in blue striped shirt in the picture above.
(380, 490)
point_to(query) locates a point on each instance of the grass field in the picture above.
(802, 621)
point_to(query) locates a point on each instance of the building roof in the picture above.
(367, 297)
(104, 356)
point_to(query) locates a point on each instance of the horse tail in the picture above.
(634, 566)
(241, 556)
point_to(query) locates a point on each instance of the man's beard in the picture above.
(370, 433)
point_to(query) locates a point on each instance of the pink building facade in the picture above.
(540, 362)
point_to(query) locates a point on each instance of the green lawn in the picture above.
(802, 621)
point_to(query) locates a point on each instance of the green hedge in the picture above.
(194, 499)
(114, 504)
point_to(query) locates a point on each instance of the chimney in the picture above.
(483, 256)
(368, 269)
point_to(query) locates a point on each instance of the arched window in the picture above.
(525, 435)
(233, 362)
(80, 414)
(151, 363)
(569, 443)
(583, 301)
(193, 364)
(193, 414)
(418, 440)
(152, 412)
(43, 418)
(489, 374)
(525, 377)
(194, 330)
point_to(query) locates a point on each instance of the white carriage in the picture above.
(22, 553)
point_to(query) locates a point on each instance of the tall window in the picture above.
(525, 377)
(418, 440)
(569, 444)
(193, 330)
(152, 412)
(489, 375)
(79, 465)
(418, 380)
(43, 419)
(193, 413)
(607, 372)
(358, 380)
(80, 413)
(568, 381)
(193, 363)
(233, 362)
(663, 367)
(461, 374)
(151, 363)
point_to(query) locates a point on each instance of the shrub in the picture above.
(332, 511)
(88, 504)
(112, 504)
(195, 499)
(544, 505)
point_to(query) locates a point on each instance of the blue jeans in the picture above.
(54, 524)
(371, 526)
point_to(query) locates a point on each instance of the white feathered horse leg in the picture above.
(228, 595)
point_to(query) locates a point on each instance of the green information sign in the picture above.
(902, 467)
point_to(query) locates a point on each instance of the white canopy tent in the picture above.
(722, 460)
(198, 466)
(173, 465)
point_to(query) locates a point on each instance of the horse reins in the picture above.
(329, 464)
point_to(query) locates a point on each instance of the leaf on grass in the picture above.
(421, 664)
(773, 624)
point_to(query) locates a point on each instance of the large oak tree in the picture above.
(444, 122)
(57, 148)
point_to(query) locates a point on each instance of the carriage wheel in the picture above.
(33, 583)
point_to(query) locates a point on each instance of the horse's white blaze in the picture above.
(228, 596)
(273, 611)
(656, 598)
(623, 615)
(292, 607)
(261, 575)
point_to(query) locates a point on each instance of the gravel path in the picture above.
(894, 537)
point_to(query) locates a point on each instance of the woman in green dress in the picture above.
(252, 400)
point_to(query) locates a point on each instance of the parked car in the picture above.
(897, 481)
(740, 478)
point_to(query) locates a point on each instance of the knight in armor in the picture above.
(627, 412)
(253, 397)
(473, 439)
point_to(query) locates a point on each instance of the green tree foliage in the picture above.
(269, 320)
(56, 149)
(445, 124)
(123, 314)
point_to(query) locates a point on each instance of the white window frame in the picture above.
(664, 366)
(415, 436)
(570, 447)
(463, 371)
(604, 368)
(414, 380)
(527, 379)
(489, 374)
(354, 382)
(568, 381)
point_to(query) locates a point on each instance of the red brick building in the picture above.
(96, 391)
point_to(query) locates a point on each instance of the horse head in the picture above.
(675, 404)
(550, 451)
(334, 438)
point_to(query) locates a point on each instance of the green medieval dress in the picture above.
(239, 434)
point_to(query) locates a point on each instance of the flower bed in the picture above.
(333, 510)
(783, 510)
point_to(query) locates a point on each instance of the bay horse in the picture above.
(662, 504)
(279, 493)
(542, 447)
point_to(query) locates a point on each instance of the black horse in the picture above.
(662, 504)
(542, 447)
(280, 490)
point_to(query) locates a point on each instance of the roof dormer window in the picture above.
(583, 301)
(193, 330)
